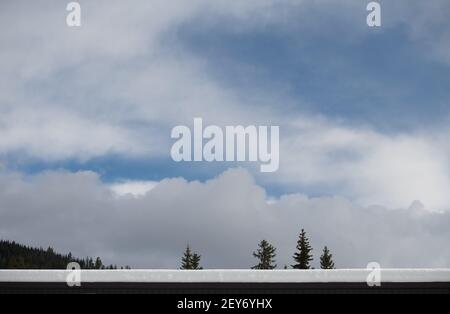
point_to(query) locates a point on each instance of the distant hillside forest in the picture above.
(17, 256)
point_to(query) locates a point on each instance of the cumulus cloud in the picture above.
(115, 78)
(223, 218)
(124, 71)
(132, 188)
(59, 135)
(365, 165)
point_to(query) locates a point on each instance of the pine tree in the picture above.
(186, 261)
(266, 256)
(195, 262)
(98, 263)
(326, 260)
(303, 255)
(190, 260)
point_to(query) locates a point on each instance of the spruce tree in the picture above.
(98, 263)
(326, 260)
(266, 256)
(195, 261)
(303, 255)
(186, 261)
(190, 260)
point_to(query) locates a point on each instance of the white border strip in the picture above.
(228, 276)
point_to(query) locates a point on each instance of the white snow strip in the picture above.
(228, 276)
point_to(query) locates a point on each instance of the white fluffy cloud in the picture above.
(132, 188)
(58, 135)
(114, 81)
(367, 166)
(223, 219)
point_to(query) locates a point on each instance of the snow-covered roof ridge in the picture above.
(229, 276)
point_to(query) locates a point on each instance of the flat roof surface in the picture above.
(229, 276)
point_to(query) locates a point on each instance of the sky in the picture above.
(86, 116)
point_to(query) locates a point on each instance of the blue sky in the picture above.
(382, 78)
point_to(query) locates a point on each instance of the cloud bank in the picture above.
(224, 219)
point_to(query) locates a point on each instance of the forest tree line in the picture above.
(18, 256)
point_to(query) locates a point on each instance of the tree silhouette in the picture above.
(326, 260)
(186, 261)
(190, 260)
(303, 255)
(266, 256)
(98, 263)
(196, 262)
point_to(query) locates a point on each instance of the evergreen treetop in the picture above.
(266, 256)
(190, 260)
(303, 256)
(326, 260)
